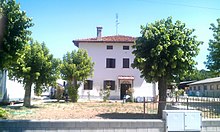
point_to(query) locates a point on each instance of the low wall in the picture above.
(208, 125)
(211, 125)
(82, 126)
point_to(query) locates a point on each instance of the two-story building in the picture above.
(113, 58)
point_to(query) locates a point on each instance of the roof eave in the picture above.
(76, 42)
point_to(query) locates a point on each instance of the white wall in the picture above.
(99, 53)
(15, 90)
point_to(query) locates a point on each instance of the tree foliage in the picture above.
(165, 52)
(213, 59)
(76, 67)
(198, 75)
(16, 33)
(35, 66)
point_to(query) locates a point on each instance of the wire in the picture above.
(179, 4)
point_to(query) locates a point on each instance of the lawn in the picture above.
(80, 110)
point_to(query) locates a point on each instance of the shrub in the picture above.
(59, 92)
(73, 93)
(3, 113)
(105, 93)
(130, 92)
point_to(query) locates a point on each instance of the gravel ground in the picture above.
(52, 110)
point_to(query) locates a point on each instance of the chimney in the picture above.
(99, 32)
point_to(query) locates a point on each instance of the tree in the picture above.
(198, 75)
(76, 67)
(14, 23)
(35, 66)
(213, 61)
(164, 53)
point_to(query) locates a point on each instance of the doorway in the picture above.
(124, 88)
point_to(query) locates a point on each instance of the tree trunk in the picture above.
(162, 85)
(27, 96)
(2, 29)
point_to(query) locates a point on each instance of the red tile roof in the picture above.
(107, 39)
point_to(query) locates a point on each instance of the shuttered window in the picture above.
(88, 85)
(110, 63)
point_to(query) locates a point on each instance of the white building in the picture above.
(209, 87)
(113, 58)
(10, 90)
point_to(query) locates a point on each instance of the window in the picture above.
(125, 47)
(110, 63)
(199, 88)
(205, 87)
(211, 87)
(88, 84)
(194, 88)
(109, 47)
(109, 83)
(218, 87)
(125, 62)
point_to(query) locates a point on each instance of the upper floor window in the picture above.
(125, 47)
(88, 85)
(110, 63)
(109, 47)
(109, 84)
(125, 62)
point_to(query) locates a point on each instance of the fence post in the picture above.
(144, 107)
(187, 103)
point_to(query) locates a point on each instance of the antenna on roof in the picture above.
(116, 23)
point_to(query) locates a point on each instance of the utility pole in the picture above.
(116, 23)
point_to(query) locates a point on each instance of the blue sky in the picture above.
(58, 22)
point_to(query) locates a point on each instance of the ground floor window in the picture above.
(88, 85)
(110, 84)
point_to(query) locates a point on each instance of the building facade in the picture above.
(10, 90)
(113, 58)
(205, 88)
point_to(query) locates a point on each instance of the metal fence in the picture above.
(210, 107)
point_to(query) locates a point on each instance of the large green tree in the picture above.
(76, 67)
(35, 66)
(213, 59)
(165, 52)
(14, 31)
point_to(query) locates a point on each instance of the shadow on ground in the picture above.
(16, 107)
(128, 116)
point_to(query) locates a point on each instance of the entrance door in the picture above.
(124, 87)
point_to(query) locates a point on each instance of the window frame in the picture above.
(205, 87)
(126, 63)
(111, 82)
(109, 47)
(110, 62)
(88, 85)
(211, 87)
(126, 47)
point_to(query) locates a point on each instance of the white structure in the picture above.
(113, 57)
(10, 90)
(209, 87)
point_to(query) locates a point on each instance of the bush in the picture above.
(105, 93)
(73, 93)
(130, 92)
(3, 113)
(59, 92)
